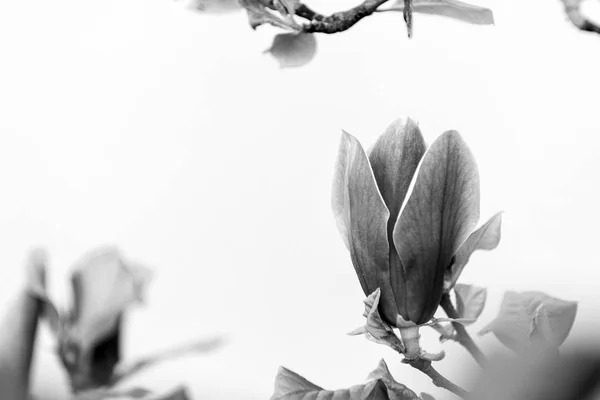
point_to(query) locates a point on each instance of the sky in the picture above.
(142, 124)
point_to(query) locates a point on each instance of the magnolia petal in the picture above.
(441, 211)
(104, 285)
(487, 237)
(394, 158)
(361, 217)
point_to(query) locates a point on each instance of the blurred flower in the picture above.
(405, 245)
(18, 334)
(88, 335)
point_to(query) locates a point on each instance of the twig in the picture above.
(437, 379)
(462, 336)
(573, 10)
(337, 22)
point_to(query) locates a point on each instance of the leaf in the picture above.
(425, 396)
(486, 237)
(531, 321)
(454, 9)
(396, 391)
(216, 6)
(470, 300)
(293, 49)
(291, 386)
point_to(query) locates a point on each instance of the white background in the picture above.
(142, 124)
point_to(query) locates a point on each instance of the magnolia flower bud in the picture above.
(403, 241)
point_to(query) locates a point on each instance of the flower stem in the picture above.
(437, 379)
(462, 336)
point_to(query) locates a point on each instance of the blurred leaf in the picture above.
(450, 8)
(486, 237)
(293, 49)
(291, 386)
(425, 396)
(531, 321)
(470, 301)
(216, 6)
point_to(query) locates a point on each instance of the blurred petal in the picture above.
(361, 217)
(18, 334)
(104, 286)
(440, 213)
(487, 237)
